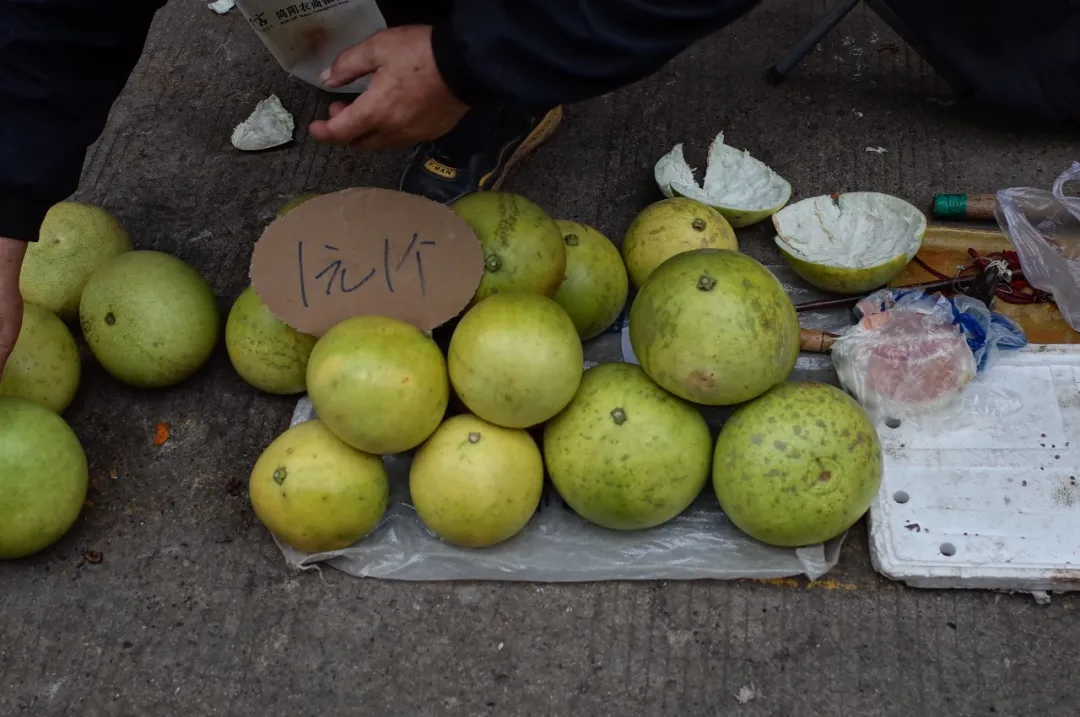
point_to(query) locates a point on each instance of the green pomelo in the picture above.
(266, 352)
(74, 239)
(625, 454)
(149, 318)
(295, 202)
(475, 484)
(669, 227)
(316, 493)
(593, 291)
(523, 247)
(379, 383)
(798, 466)
(43, 477)
(44, 366)
(515, 359)
(714, 327)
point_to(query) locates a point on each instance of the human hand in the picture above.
(12, 252)
(406, 101)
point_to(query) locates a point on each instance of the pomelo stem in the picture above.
(571, 239)
(706, 283)
(698, 224)
(280, 475)
(619, 416)
(492, 263)
(474, 437)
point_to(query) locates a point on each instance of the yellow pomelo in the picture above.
(475, 484)
(798, 466)
(44, 366)
(714, 327)
(267, 353)
(315, 492)
(75, 239)
(379, 383)
(149, 318)
(669, 227)
(296, 201)
(43, 477)
(626, 454)
(593, 291)
(523, 247)
(515, 359)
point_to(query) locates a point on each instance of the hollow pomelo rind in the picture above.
(772, 192)
(822, 215)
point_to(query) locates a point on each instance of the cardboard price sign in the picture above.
(367, 251)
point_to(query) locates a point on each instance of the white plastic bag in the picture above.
(305, 36)
(1045, 229)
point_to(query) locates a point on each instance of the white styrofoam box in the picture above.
(988, 497)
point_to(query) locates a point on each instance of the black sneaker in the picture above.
(476, 155)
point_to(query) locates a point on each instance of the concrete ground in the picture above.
(168, 598)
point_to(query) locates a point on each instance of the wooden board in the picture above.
(945, 248)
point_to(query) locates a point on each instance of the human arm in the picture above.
(542, 53)
(533, 54)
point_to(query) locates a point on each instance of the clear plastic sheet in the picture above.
(913, 354)
(559, 546)
(1044, 226)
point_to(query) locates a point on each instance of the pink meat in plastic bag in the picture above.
(903, 361)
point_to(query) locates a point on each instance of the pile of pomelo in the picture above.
(626, 446)
(147, 317)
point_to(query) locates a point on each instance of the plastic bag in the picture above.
(913, 353)
(1045, 229)
(306, 37)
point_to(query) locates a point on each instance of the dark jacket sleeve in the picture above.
(62, 65)
(540, 53)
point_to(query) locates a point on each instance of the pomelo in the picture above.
(744, 189)
(625, 454)
(669, 227)
(515, 359)
(267, 353)
(594, 288)
(379, 383)
(798, 466)
(75, 238)
(475, 484)
(43, 477)
(44, 366)
(315, 492)
(523, 247)
(849, 243)
(714, 327)
(149, 318)
(295, 202)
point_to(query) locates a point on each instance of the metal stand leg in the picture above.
(802, 48)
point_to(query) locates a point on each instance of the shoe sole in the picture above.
(540, 134)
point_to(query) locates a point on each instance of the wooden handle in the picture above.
(816, 341)
(976, 207)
